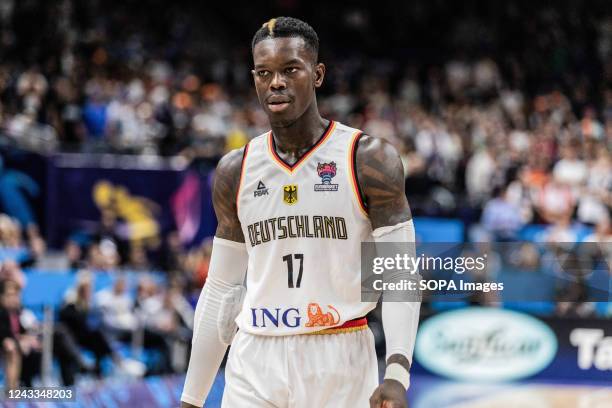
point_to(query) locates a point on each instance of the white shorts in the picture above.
(303, 371)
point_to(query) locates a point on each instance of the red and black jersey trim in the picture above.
(244, 155)
(306, 154)
(360, 195)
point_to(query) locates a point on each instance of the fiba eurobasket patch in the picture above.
(326, 171)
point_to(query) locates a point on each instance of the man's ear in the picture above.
(319, 73)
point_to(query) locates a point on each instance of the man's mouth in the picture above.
(278, 105)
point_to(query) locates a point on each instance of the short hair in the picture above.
(288, 27)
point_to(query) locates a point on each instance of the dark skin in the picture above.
(286, 74)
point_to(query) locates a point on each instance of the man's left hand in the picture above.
(389, 394)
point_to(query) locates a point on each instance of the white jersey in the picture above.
(303, 226)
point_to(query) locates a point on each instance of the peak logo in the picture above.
(261, 190)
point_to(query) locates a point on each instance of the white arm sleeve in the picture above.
(400, 319)
(227, 270)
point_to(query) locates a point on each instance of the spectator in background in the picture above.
(561, 232)
(536, 173)
(176, 299)
(12, 246)
(66, 118)
(122, 321)
(520, 195)
(108, 230)
(15, 186)
(147, 299)
(10, 271)
(596, 195)
(19, 326)
(10, 331)
(173, 255)
(570, 170)
(197, 261)
(13, 333)
(74, 254)
(501, 219)
(170, 316)
(185, 314)
(117, 308)
(555, 202)
(79, 317)
(601, 238)
(602, 233)
(486, 78)
(102, 256)
(480, 173)
(146, 290)
(84, 324)
(418, 184)
(32, 87)
(574, 301)
(414, 164)
(10, 232)
(138, 259)
(95, 115)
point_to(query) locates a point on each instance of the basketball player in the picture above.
(293, 207)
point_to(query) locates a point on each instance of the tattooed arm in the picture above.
(381, 179)
(226, 271)
(225, 188)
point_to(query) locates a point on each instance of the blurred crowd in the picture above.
(138, 324)
(502, 115)
(97, 334)
(525, 132)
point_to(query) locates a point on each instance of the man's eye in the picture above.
(291, 70)
(262, 73)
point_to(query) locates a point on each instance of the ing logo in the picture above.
(316, 317)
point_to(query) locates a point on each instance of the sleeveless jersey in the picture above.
(303, 226)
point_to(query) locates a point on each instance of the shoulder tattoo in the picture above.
(225, 188)
(380, 173)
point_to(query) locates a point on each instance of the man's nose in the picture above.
(278, 81)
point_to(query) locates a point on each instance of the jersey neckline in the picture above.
(292, 168)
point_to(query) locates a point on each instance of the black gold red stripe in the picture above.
(354, 179)
(290, 168)
(244, 155)
(347, 327)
